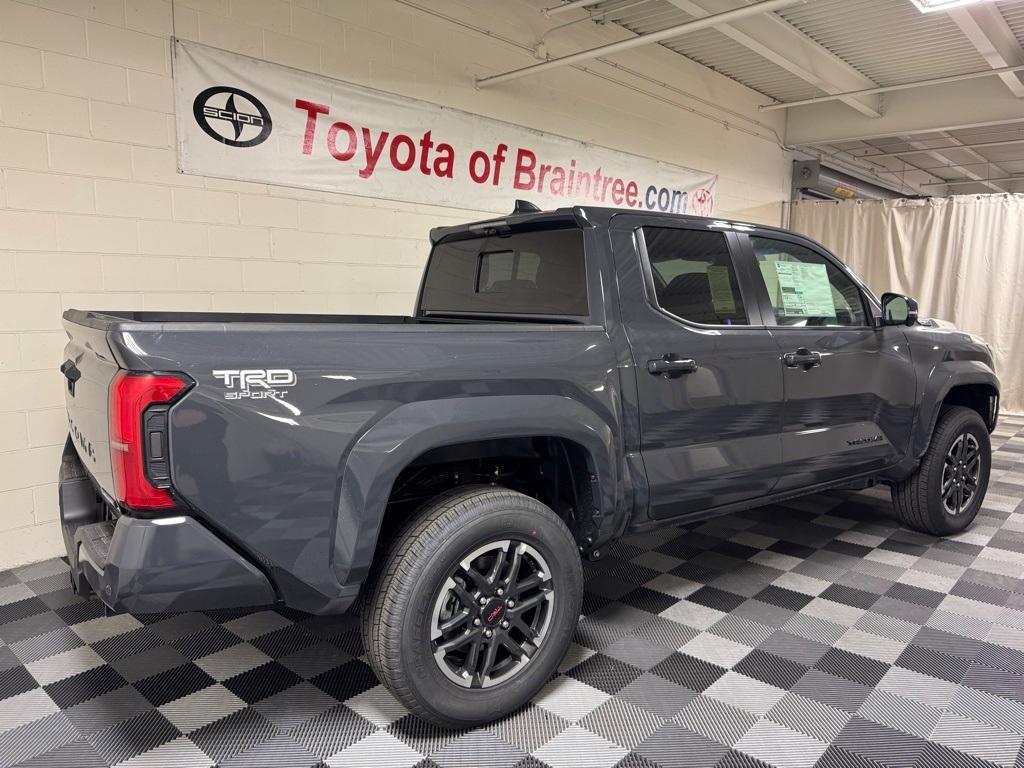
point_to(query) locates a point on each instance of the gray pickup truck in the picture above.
(568, 376)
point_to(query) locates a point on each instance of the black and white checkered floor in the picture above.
(815, 633)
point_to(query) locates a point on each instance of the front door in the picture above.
(709, 383)
(849, 383)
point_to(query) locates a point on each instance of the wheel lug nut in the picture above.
(483, 600)
(500, 591)
(510, 603)
(504, 625)
(476, 622)
(488, 633)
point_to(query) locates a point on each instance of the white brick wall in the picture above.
(94, 215)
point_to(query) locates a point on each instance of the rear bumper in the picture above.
(145, 566)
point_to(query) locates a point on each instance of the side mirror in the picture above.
(898, 309)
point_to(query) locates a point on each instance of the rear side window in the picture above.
(694, 276)
(528, 273)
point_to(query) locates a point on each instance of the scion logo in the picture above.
(232, 116)
(255, 384)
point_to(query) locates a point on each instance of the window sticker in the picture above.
(804, 289)
(721, 290)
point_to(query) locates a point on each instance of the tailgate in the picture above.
(88, 369)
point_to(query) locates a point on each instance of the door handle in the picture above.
(669, 365)
(802, 358)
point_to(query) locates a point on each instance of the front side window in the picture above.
(540, 272)
(805, 288)
(693, 275)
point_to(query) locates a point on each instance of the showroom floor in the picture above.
(811, 633)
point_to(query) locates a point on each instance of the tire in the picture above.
(421, 580)
(919, 499)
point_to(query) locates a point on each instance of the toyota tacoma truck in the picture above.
(567, 377)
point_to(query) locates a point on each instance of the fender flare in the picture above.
(941, 380)
(391, 444)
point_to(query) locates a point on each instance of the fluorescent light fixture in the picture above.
(929, 6)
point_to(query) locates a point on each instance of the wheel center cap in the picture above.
(493, 612)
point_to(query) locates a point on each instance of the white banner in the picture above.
(242, 118)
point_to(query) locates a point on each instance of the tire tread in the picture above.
(391, 580)
(911, 497)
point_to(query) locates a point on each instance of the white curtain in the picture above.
(961, 257)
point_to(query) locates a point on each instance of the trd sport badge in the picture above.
(232, 116)
(256, 384)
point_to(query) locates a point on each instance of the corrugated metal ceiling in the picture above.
(888, 41)
(1013, 12)
(708, 47)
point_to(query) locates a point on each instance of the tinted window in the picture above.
(805, 288)
(693, 275)
(533, 273)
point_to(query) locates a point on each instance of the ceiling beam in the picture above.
(608, 49)
(784, 45)
(978, 145)
(958, 182)
(888, 88)
(557, 9)
(988, 31)
(942, 158)
(955, 106)
(845, 160)
(977, 156)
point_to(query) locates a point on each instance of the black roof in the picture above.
(582, 215)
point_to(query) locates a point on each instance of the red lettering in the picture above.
(631, 192)
(541, 173)
(618, 189)
(558, 181)
(444, 165)
(425, 146)
(474, 160)
(373, 152)
(604, 188)
(499, 160)
(410, 152)
(312, 110)
(525, 163)
(332, 138)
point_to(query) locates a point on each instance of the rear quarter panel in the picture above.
(267, 473)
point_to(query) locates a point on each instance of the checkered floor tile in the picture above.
(812, 633)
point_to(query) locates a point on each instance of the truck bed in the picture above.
(264, 467)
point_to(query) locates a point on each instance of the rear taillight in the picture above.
(138, 436)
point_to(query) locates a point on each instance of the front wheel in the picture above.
(945, 493)
(472, 606)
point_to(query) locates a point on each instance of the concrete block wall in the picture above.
(93, 213)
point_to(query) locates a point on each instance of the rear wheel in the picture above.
(473, 605)
(945, 493)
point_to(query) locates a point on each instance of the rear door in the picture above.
(709, 383)
(849, 383)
